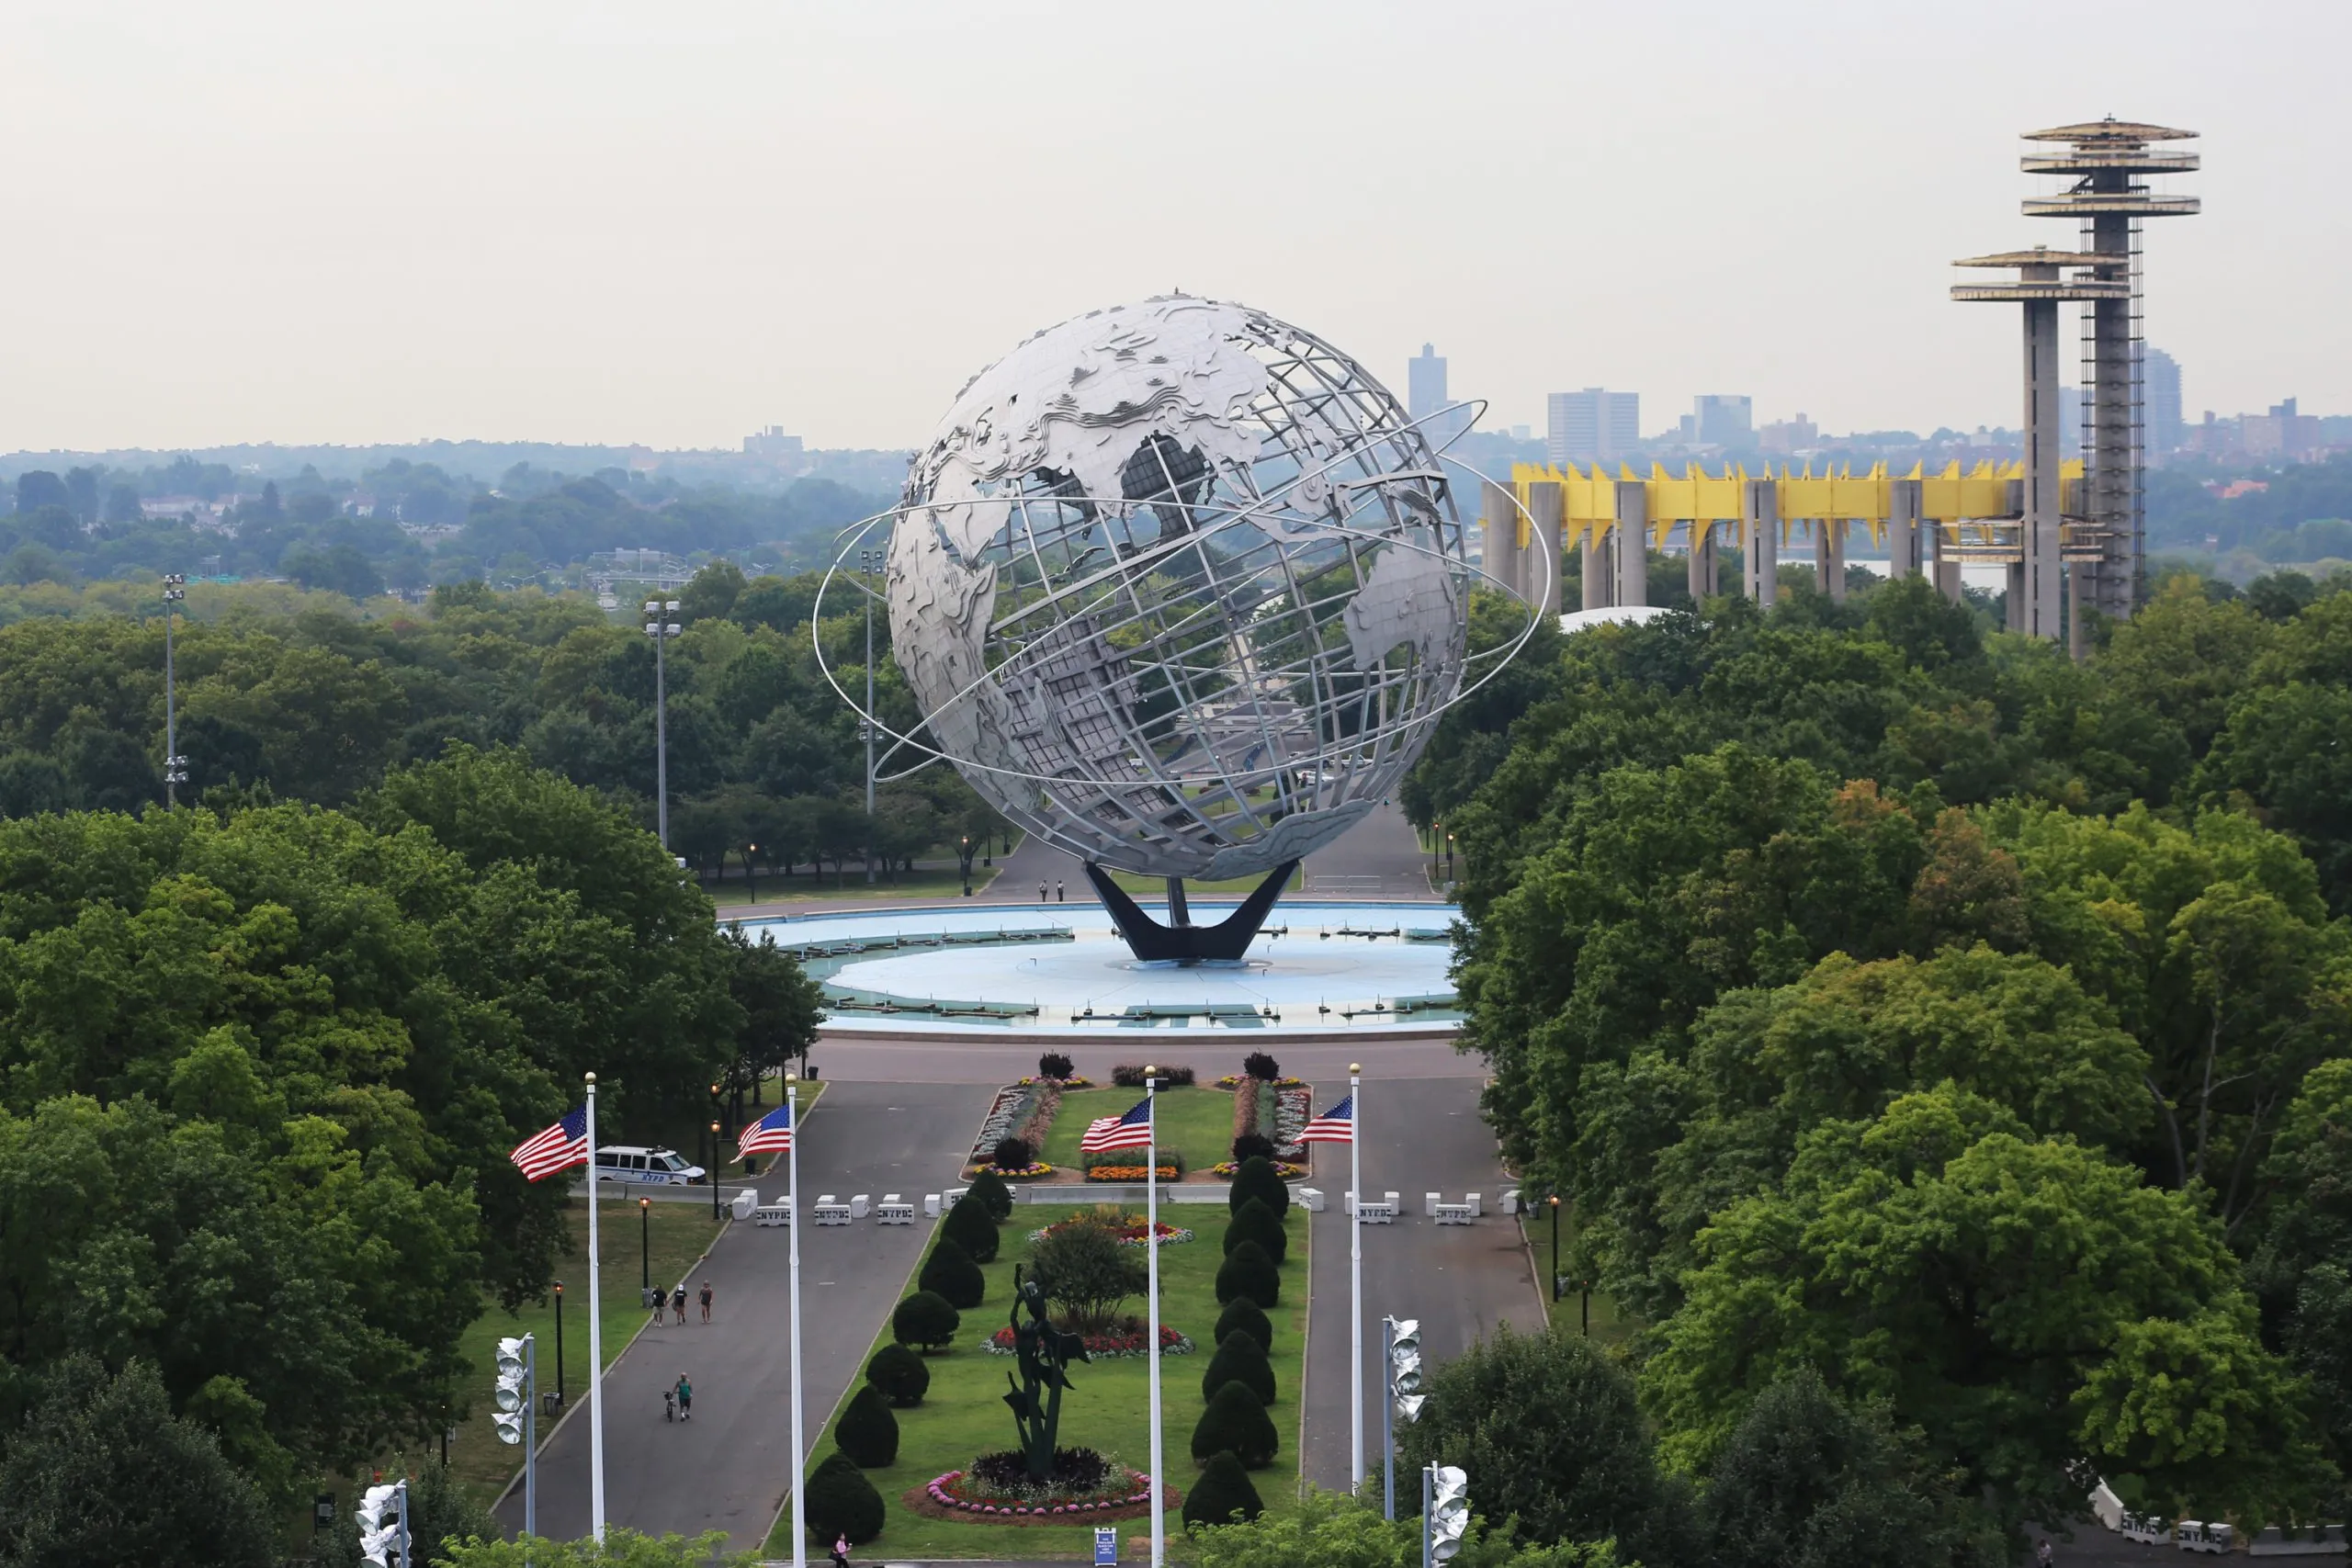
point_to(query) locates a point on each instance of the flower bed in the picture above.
(1129, 1172)
(1076, 1081)
(1129, 1075)
(1110, 1346)
(1130, 1232)
(1282, 1167)
(1034, 1168)
(959, 1495)
(1234, 1080)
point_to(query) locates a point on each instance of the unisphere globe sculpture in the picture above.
(1180, 589)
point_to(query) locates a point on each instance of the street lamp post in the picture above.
(1449, 857)
(866, 561)
(662, 629)
(710, 1171)
(558, 1343)
(174, 765)
(964, 859)
(1553, 1203)
(645, 1244)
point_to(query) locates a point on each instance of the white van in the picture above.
(662, 1168)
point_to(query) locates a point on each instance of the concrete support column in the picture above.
(2041, 569)
(2078, 636)
(1829, 557)
(1760, 572)
(2016, 617)
(1632, 541)
(1600, 584)
(1499, 522)
(1904, 554)
(1546, 504)
(1702, 561)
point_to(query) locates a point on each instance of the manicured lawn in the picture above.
(680, 1232)
(1105, 1409)
(1195, 1122)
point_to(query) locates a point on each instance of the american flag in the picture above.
(1132, 1131)
(771, 1133)
(560, 1148)
(1337, 1125)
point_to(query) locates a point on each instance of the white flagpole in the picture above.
(1355, 1268)
(595, 1344)
(792, 1158)
(1152, 1297)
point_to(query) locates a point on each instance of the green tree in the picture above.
(1804, 1482)
(1087, 1271)
(102, 1473)
(621, 1548)
(1941, 1258)
(1550, 1431)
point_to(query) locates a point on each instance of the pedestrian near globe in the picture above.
(1180, 589)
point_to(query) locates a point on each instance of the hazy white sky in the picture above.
(522, 220)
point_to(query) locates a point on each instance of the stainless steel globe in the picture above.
(1180, 588)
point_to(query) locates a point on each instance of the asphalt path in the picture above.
(1419, 1135)
(728, 1469)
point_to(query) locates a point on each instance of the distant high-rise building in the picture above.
(770, 445)
(2165, 427)
(1425, 382)
(1786, 435)
(1592, 425)
(1722, 419)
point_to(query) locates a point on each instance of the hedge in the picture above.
(898, 1372)
(1223, 1490)
(1248, 1316)
(1239, 1359)
(1237, 1424)
(1255, 1222)
(1259, 1179)
(1247, 1271)
(971, 1226)
(843, 1502)
(950, 1273)
(925, 1320)
(867, 1432)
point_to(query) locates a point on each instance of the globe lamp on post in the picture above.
(645, 1244)
(710, 1172)
(558, 1343)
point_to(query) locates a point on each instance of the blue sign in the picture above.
(1106, 1546)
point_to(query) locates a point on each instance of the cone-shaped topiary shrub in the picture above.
(925, 1320)
(1247, 1315)
(1253, 1146)
(843, 1502)
(950, 1273)
(970, 1226)
(867, 1432)
(1241, 1359)
(1255, 1222)
(1236, 1423)
(1248, 1271)
(900, 1373)
(1222, 1492)
(1013, 1154)
(1258, 1179)
(990, 1190)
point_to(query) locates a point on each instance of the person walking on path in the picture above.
(840, 1552)
(1060, 897)
(685, 1398)
(658, 1299)
(678, 1303)
(1041, 890)
(706, 1300)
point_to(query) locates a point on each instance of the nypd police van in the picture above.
(658, 1167)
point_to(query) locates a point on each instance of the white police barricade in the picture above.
(860, 1205)
(1454, 1213)
(745, 1203)
(1311, 1199)
(948, 1199)
(830, 1210)
(2195, 1535)
(1510, 1200)
(2148, 1529)
(2308, 1540)
(1376, 1212)
(931, 1206)
(774, 1212)
(894, 1211)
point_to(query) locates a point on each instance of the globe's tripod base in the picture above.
(1184, 942)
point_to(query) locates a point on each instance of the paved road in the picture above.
(1377, 858)
(728, 1468)
(1460, 1281)
(982, 1060)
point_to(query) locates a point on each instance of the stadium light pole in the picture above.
(174, 765)
(867, 561)
(660, 629)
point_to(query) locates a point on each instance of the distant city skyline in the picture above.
(257, 222)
